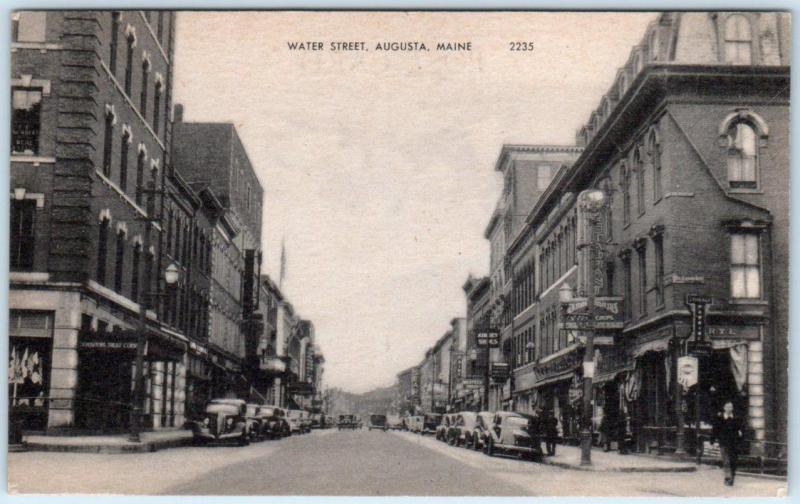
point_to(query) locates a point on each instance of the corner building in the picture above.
(690, 145)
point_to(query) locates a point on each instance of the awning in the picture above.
(566, 375)
(602, 378)
(658, 345)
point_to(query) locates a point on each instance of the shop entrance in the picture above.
(105, 389)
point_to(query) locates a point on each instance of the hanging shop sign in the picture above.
(567, 362)
(607, 314)
(488, 338)
(698, 306)
(300, 388)
(499, 371)
(610, 361)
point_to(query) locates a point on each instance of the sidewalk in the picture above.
(150, 442)
(569, 457)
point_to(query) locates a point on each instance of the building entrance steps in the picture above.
(569, 457)
(118, 443)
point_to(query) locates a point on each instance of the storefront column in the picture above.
(180, 390)
(157, 374)
(64, 368)
(755, 389)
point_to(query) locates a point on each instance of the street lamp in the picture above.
(591, 202)
(171, 276)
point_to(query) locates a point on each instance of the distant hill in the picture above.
(381, 400)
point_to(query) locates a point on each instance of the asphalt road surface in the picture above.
(334, 462)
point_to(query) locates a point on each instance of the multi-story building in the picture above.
(408, 390)
(681, 145)
(527, 171)
(476, 373)
(91, 95)
(458, 349)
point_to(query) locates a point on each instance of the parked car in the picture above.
(394, 422)
(317, 421)
(461, 433)
(224, 420)
(274, 422)
(296, 424)
(346, 422)
(377, 422)
(511, 432)
(430, 422)
(481, 429)
(415, 423)
(254, 421)
(359, 422)
(305, 421)
(444, 425)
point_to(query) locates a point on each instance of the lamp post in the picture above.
(591, 202)
(171, 275)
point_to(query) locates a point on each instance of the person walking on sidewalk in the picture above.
(606, 432)
(550, 432)
(728, 433)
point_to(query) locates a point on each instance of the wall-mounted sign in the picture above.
(687, 371)
(607, 314)
(499, 371)
(488, 338)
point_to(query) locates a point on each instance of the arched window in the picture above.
(638, 167)
(623, 85)
(654, 45)
(102, 251)
(625, 183)
(123, 159)
(738, 40)
(140, 159)
(108, 140)
(131, 42)
(608, 224)
(145, 86)
(742, 155)
(654, 148)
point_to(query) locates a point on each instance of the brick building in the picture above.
(690, 145)
(91, 95)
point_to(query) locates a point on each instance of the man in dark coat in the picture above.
(728, 433)
(550, 432)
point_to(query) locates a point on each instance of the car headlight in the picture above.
(229, 421)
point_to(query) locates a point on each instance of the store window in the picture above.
(26, 120)
(23, 238)
(738, 40)
(745, 266)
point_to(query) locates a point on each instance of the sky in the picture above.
(378, 166)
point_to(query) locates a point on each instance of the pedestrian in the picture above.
(550, 432)
(536, 429)
(728, 434)
(622, 431)
(605, 432)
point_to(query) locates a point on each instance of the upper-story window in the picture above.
(140, 161)
(123, 159)
(623, 85)
(26, 119)
(638, 167)
(29, 26)
(745, 266)
(625, 182)
(137, 258)
(130, 44)
(102, 250)
(160, 31)
(742, 155)
(119, 261)
(654, 45)
(157, 104)
(145, 86)
(738, 40)
(654, 148)
(544, 174)
(108, 140)
(114, 45)
(23, 238)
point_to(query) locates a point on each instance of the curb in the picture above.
(146, 447)
(628, 469)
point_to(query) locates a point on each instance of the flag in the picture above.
(283, 263)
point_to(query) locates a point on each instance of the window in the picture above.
(143, 94)
(23, 238)
(114, 46)
(137, 257)
(544, 174)
(638, 167)
(628, 301)
(140, 160)
(108, 143)
(623, 86)
(608, 223)
(745, 266)
(642, 252)
(156, 106)
(625, 182)
(29, 26)
(658, 242)
(742, 155)
(160, 32)
(119, 261)
(123, 161)
(654, 45)
(129, 64)
(26, 120)
(102, 251)
(738, 40)
(655, 160)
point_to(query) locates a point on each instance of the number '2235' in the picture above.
(520, 46)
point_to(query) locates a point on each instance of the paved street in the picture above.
(346, 463)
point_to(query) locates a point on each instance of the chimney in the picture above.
(178, 113)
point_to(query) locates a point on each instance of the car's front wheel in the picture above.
(490, 447)
(244, 439)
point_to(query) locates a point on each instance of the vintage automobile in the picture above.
(414, 423)
(255, 423)
(347, 422)
(446, 422)
(224, 420)
(461, 433)
(377, 422)
(317, 421)
(305, 421)
(296, 423)
(274, 422)
(511, 433)
(431, 422)
(394, 422)
(480, 431)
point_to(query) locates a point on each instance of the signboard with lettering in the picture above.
(697, 305)
(499, 371)
(559, 365)
(488, 338)
(687, 371)
(108, 340)
(607, 314)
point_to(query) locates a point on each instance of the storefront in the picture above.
(30, 353)
(559, 388)
(198, 381)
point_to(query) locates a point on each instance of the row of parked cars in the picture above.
(505, 432)
(237, 421)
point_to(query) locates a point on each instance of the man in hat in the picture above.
(728, 433)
